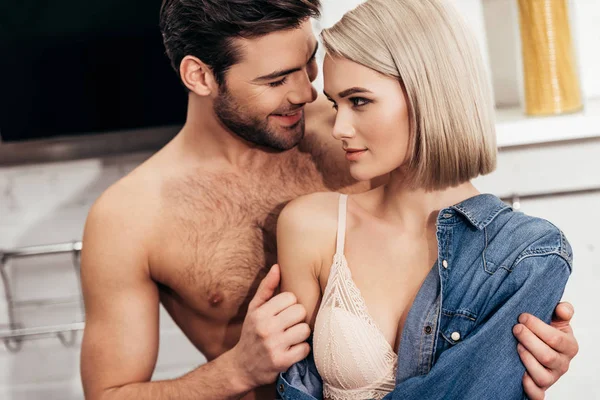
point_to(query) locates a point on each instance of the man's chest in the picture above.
(218, 239)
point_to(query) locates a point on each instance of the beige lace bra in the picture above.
(352, 356)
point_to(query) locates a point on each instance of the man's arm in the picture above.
(120, 343)
(545, 350)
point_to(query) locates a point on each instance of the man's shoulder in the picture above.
(119, 230)
(131, 198)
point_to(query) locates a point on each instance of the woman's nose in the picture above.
(342, 129)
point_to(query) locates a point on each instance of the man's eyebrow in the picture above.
(280, 73)
(276, 74)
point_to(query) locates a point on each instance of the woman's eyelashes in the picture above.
(359, 101)
(356, 102)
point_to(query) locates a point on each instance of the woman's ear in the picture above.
(197, 76)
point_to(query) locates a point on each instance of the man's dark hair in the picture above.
(206, 28)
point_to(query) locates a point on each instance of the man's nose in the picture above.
(303, 91)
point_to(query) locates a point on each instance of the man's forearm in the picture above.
(216, 380)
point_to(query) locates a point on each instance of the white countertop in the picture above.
(514, 128)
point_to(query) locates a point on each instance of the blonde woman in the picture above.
(412, 288)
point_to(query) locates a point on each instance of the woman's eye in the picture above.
(335, 106)
(359, 101)
(278, 83)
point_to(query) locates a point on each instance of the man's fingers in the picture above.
(292, 316)
(533, 391)
(296, 353)
(297, 334)
(266, 289)
(562, 314)
(545, 334)
(558, 335)
(542, 377)
(546, 356)
(278, 304)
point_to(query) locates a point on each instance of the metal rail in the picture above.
(15, 335)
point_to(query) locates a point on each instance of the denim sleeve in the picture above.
(486, 364)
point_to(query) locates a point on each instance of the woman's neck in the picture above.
(416, 210)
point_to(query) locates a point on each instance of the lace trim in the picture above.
(355, 364)
(340, 270)
(332, 393)
(342, 293)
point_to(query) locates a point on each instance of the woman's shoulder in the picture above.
(533, 236)
(315, 213)
(306, 231)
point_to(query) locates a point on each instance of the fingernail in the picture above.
(520, 348)
(571, 310)
(518, 329)
(523, 318)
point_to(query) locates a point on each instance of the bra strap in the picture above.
(341, 232)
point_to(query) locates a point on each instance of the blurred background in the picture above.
(87, 94)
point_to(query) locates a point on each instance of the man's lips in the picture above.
(289, 118)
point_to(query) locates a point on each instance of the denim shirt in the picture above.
(457, 343)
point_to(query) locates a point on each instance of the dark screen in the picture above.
(79, 67)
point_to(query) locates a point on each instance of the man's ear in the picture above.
(197, 76)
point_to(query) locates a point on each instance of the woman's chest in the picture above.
(383, 275)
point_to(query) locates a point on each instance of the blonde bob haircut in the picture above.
(427, 47)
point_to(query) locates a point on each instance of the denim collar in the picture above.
(480, 210)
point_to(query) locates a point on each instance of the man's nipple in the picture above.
(216, 299)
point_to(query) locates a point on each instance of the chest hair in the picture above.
(224, 225)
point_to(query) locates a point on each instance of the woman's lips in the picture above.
(353, 155)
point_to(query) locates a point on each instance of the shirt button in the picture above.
(445, 264)
(447, 215)
(281, 388)
(428, 330)
(455, 336)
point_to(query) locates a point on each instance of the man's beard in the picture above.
(242, 123)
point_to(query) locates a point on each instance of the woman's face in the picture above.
(372, 117)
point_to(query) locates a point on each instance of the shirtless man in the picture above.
(193, 227)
